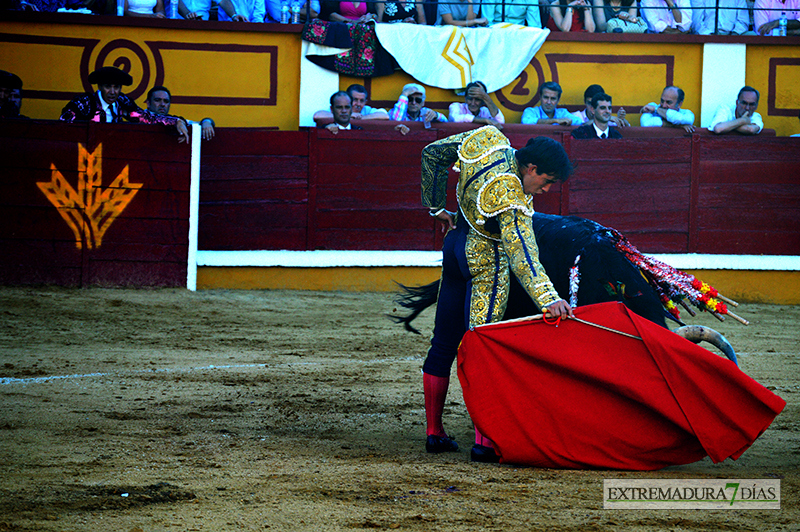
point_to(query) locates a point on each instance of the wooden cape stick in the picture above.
(738, 318)
(726, 300)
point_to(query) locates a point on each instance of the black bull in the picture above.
(605, 273)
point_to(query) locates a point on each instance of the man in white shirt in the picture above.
(667, 16)
(360, 110)
(477, 107)
(734, 17)
(740, 117)
(669, 112)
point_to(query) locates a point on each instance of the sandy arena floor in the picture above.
(298, 411)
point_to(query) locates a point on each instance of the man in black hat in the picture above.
(10, 95)
(110, 105)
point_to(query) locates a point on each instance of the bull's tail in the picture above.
(416, 299)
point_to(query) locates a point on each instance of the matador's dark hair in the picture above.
(548, 156)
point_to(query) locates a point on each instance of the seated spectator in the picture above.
(548, 112)
(274, 10)
(10, 95)
(676, 19)
(397, 11)
(669, 113)
(734, 17)
(244, 11)
(767, 14)
(43, 6)
(477, 108)
(201, 9)
(194, 9)
(587, 114)
(334, 11)
(110, 105)
(410, 106)
(159, 100)
(574, 16)
(461, 13)
(522, 12)
(618, 16)
(145, 8)
(341, 107)
(740, 117)
(360, 110)
(599, 127)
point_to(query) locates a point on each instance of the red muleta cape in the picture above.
(580, 397)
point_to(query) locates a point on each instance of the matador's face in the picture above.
(535, 183)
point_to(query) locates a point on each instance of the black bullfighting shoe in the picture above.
(441, 444)
(486, 455)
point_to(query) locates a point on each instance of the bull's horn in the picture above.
(698, 333)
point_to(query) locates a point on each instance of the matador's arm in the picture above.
(437, 158)
(520, 246)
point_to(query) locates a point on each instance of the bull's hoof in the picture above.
(441, 444)
(483, 454)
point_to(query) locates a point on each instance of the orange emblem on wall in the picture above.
(90, 210)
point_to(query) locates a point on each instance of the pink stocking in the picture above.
(480, 439)
(435, 395)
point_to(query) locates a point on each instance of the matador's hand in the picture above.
(447, 220)
(559, 309)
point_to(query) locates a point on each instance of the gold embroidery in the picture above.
(502, 193)
(488, 267)
(519, 243)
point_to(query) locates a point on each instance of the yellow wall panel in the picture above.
(775, 72)
(242, 79)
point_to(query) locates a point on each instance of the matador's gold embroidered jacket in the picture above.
(499, 213)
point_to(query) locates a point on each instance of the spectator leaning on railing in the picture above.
(586, 114)
(145, 8)
(667, 16)
(409, 106)
(574, 15)
(360, 110)
(460, 13)
(740, 117)
(109, 105)
(274, 10)
(159, 101)
(399, 11)
(618, 16)
(767, 14)
(522, 12)
(334, 11)
(669, 112)
(201, 9)
(548, 111)
(477, 107)
(733, 18)
(245, 11)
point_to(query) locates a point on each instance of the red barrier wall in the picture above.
(668, 191)
(119, 218)
(122, 220)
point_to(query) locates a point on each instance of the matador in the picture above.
(490, 236)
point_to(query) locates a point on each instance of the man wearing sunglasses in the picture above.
(410, 106)
(740, 117)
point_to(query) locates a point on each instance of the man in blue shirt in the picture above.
(548, 112)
